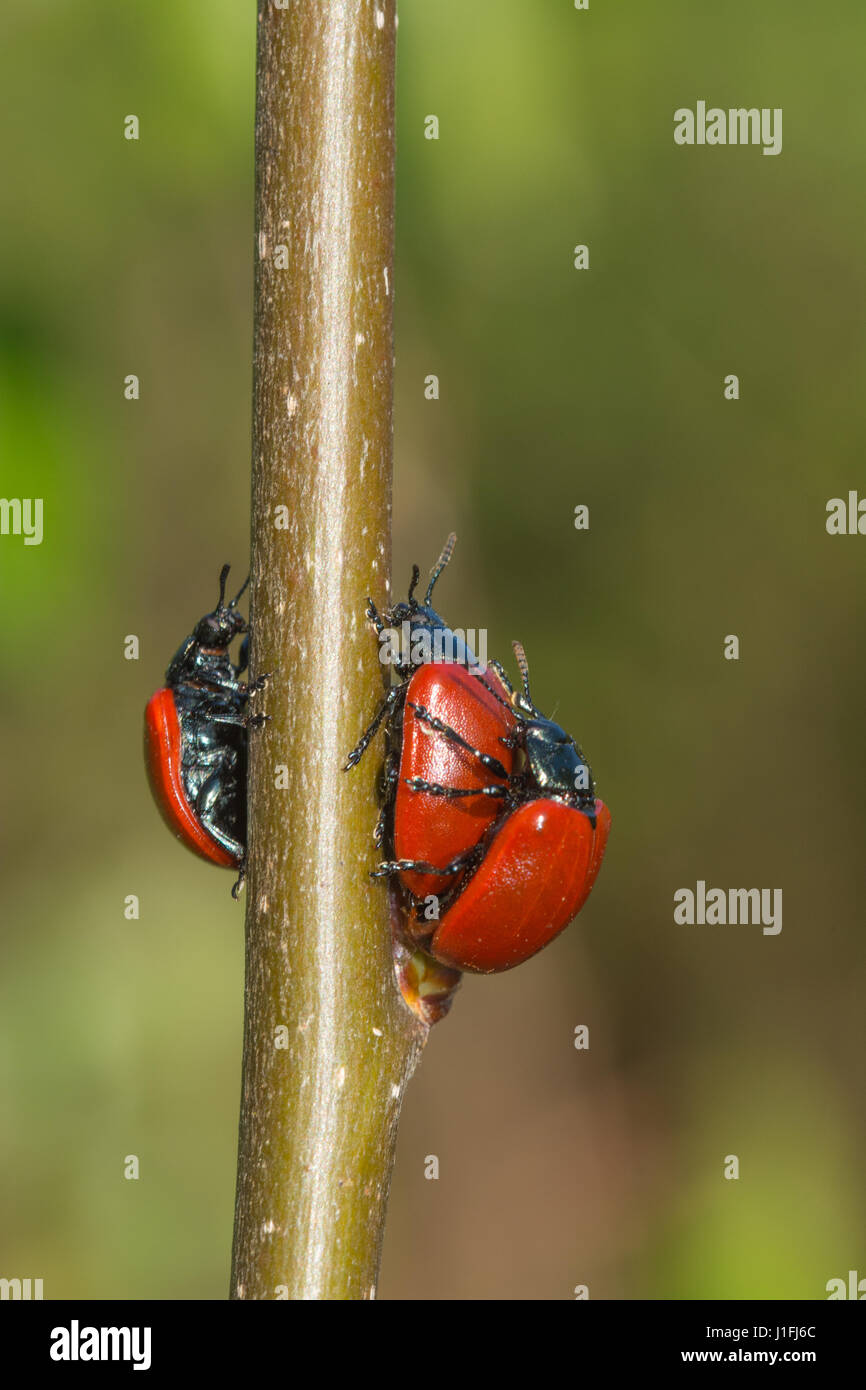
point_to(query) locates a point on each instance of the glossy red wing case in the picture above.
(162, 758)
(534, 878)
(429, 827)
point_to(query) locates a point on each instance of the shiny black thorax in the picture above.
(425, 627)
(212, 705)
(554, 765)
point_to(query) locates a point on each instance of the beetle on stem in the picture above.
(196, 730)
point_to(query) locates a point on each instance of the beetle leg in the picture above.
(390, 775)
(374, 618)
(492, 764)
(255, 721)
(436, 789)
(418, 866)
(237, 887)
(228, 717)
(253, 687)
(369, 734)
(502, 674)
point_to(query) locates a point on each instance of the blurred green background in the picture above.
(558, 387)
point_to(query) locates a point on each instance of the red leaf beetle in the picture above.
(195, 739)
(524, 859)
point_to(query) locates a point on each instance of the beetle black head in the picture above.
(217, 630)
(410, 607)
(556, 764)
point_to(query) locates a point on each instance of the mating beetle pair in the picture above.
(489, 805)
(195, 738)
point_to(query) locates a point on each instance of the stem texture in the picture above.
(328, 1042)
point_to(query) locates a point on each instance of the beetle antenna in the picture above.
(416, 575)
(234, 601)
(224, 574)
(447, 552)
(524, 669)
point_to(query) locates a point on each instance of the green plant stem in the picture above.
(321, 1099)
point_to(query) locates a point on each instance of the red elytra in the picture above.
(535, 876)
(447, 828)
(162, 747)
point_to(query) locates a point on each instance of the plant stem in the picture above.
(321, 1099)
